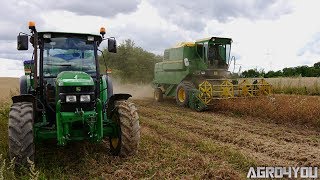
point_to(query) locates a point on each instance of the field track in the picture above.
(181, 143)
(268, 143)
(262, 143)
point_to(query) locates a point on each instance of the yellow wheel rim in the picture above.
(181, 95)
(115, 142)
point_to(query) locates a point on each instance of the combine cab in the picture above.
(196, 73)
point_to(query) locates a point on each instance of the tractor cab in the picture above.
(66, 61)
(66, 52)
(69, 52)
(215, 52)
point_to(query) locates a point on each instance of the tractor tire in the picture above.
(182, 93)
(127, 143)
(158, 95)
(20, 133)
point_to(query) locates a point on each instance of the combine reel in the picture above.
(231, 89)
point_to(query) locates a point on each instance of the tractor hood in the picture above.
(74, 78)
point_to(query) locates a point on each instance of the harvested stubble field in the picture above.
(180, 143)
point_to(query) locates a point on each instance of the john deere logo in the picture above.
(78, 89)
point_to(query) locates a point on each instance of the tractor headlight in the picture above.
(47, 36)
(71, 99)
(90, 38)
(85, 98)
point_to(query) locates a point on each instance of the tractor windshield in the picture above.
(218, 55)
(68, 54)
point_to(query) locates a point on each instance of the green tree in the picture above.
(317, 65)
(272, 74)
(251, 73)
(131, 63)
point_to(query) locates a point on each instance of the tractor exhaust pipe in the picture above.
(32, 27)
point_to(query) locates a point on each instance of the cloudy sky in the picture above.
(267, 34)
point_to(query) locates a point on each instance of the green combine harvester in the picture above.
(196, 74)
(65, 97)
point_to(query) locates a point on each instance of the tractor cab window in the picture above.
(199, 50)
(218, 55)
(68, 54)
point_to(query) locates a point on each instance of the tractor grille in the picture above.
(77, 91)
(72, 107)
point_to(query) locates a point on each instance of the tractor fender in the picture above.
(23, 98)
(109, 86)
(111, 102)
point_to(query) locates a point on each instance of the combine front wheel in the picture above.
(182, 93)
(128, 139)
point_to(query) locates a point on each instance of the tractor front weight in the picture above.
(66, 121)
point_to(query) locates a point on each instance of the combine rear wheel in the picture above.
(158, 95)
(20, 132)
(182, 93)
(128, 139)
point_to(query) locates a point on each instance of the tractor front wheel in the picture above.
(128, 139)
(20, 133)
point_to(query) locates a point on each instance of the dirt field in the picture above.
(7, 86)
(262, 142)
(178, 142)
(181, 143)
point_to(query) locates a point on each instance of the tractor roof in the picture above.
(214, 38)
(70, 34)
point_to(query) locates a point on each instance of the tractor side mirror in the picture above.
(22, 42)
(112, 45)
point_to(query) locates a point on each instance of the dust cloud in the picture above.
(138, 91)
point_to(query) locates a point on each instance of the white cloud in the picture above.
(266, 34)
(11, 68)
(193, 15)
(272, 44)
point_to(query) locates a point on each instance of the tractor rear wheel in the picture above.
(158, 95)
(20, 133)
(128, 139)
(182, 93)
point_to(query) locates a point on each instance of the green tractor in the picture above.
(196, 74)
(65, 97)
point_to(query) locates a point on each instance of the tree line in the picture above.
(301, 71)
(131, 63)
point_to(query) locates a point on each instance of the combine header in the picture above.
(196, 74)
